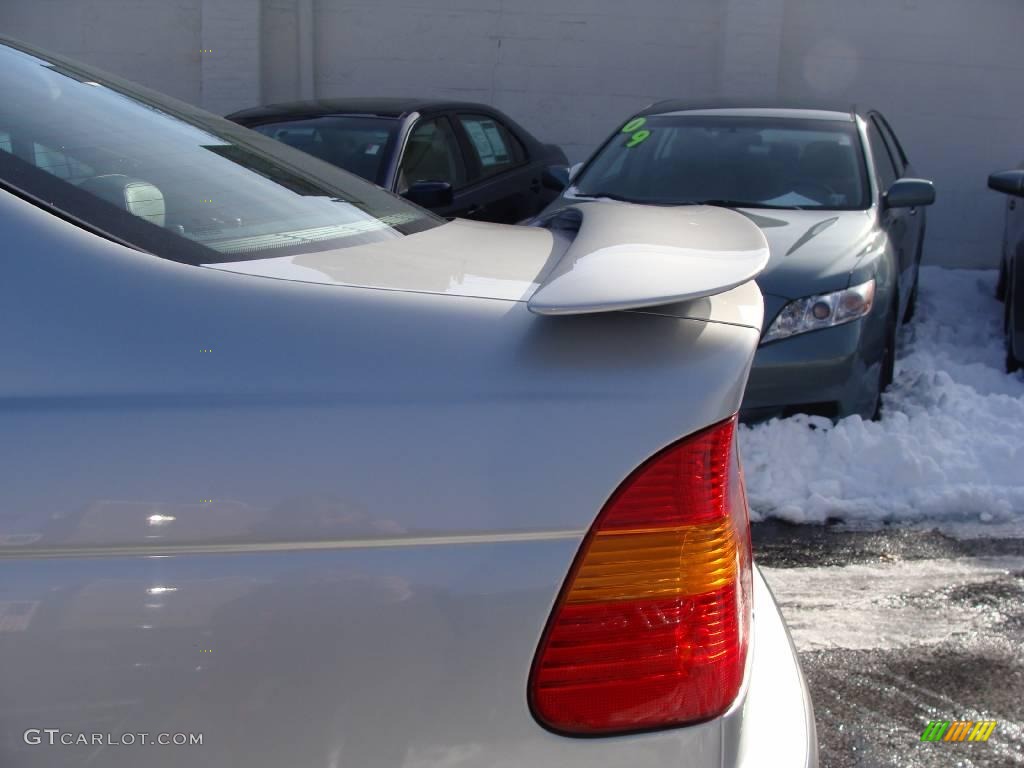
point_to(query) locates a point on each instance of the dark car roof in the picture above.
(788, 109)
(381, 106)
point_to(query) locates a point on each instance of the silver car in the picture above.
(297, 474)
(835, 196)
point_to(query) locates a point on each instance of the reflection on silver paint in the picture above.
(812, 233)
(631, 256)
(460, 258)
(813, 252)
(156, 550)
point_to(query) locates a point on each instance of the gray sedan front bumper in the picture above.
(832, 372)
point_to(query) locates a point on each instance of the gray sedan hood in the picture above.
(812, 251)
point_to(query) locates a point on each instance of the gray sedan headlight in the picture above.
(822, 311)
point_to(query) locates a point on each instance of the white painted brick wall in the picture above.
(948, 74)
(280, 52)
(751, 46)
(232, 69)
(567, 71)
(155, 42)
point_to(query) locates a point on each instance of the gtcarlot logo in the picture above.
(57, 737)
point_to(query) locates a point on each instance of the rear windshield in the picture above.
(174, 180)
(360, 145)
(741, 161)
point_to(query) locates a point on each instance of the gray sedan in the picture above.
(297, 474)
(835, 196)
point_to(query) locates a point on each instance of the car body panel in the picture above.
(1015, 312)
(215, 543)
(785, 112)
(460, 258)
(261, 653)
(777, 698)
(813, 252)
(632, 256)
(834, 371)
(793, 376)
(691, 256)
(904, 227)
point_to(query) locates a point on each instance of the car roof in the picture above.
(378, 106)
(755, 108)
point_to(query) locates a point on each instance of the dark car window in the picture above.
(494, 147)
(887, 173)
(743, 161)
(360, 145)
(173, 180)
(432, 154)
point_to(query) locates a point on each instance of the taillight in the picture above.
(650, 629)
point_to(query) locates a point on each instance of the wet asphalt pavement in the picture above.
(898, 627)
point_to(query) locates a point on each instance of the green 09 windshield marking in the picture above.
(637, 136)
(633, 125)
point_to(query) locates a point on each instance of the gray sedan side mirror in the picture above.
(430, 194)
(909, 193)
(555, 177)
(1010, 182)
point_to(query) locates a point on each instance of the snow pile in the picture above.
(948, 449)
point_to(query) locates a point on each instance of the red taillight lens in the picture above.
(651, 627)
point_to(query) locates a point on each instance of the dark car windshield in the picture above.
(360, 145)
(736, 161)
(173, 180)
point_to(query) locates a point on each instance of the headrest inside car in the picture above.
(136, 196)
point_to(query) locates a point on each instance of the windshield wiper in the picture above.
(609, 195)
(744, 204)
(719, 202)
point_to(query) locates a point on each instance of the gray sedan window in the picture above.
(173, 180)
(741, 161)
(432, 154)
(492, 144)
(361, 145)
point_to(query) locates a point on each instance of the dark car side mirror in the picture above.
(555, 177)
(1010, 182)
(909, 193)
(430, 194)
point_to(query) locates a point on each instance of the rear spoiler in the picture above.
(628, 256)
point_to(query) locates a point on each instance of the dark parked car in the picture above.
(1010, 289)
(835, 196)
(458, 159)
